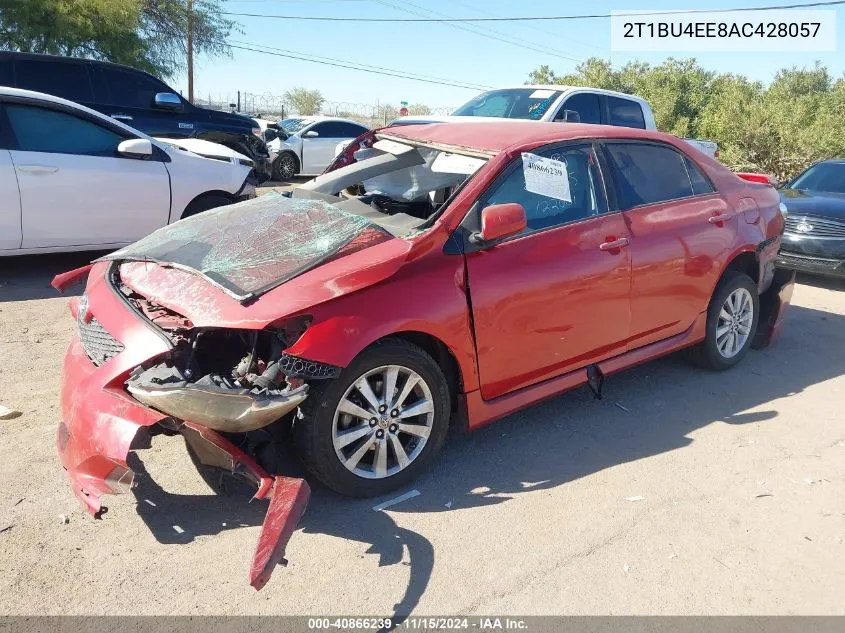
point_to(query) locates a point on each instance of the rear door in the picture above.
(69, 79)
(10, 208)
(74, 188)
(678, 244)
(319, 151)
(556, 297)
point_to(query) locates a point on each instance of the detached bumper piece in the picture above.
(212, 401)
(288, 497)
(773, 305)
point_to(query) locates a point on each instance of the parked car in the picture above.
(577, 104)
(72, 179)
(488, 266)
(309, 146)
(136, 98)
(814, 241)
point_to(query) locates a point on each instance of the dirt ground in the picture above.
(682, 492)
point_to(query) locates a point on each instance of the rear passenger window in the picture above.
(625, 113)
(647, 173)
(546, 204)
(338, 129)
(585, 104)
(700, 184)
(68, 80)
(125, 88)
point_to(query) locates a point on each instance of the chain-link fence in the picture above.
(270, 106)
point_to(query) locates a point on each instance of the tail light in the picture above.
(347, 156)
(763, 179)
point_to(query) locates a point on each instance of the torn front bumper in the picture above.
(101, 424)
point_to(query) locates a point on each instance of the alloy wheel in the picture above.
(383, 421)
(734, 324)
(287, 167)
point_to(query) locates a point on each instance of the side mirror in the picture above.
(311, 134)
(135, 148)
(500, 220)
(571, 116)
(168, 101)
(270, 135)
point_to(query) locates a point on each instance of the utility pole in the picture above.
(190, 51)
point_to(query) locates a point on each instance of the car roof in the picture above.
(497, 136)
(567, 88)
(68, 60)
(323, 117)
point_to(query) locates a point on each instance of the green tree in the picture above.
(418, 109)
(780, 128)
(304, 101)
(147, 34)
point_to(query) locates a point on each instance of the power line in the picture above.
(536, 29)
(320, 58)
(482, 31)
(535, 18)
(350, 66)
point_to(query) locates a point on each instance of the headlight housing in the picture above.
(783, 210)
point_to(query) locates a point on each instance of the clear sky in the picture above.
(445, 51)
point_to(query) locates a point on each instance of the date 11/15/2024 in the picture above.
(419, 623)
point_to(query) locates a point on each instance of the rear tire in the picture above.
(320, 425)
(731, 323)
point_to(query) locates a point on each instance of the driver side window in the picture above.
(554, 186)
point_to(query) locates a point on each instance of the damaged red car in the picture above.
(454, 273)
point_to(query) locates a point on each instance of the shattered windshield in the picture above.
(511, 103)
(251, 247)
(292, 126)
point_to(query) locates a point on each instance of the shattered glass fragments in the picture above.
(250, 247)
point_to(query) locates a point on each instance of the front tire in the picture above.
(206, 203)
(379, 424)
(285, 167)
(731, 322)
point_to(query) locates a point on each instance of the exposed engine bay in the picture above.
(237, 382)
(208, 381)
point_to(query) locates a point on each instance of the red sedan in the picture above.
(453, 274)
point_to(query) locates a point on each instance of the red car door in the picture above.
(677, 243)
(557, 296)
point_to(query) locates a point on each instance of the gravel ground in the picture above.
(682, 492)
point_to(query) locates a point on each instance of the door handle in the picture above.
(614, 245)
(121, 117)
(38, 170)
(718, 220)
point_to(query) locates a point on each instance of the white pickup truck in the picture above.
(559, 103)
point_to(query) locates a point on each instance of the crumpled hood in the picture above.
(249, 264)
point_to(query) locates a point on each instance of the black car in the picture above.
(136, 98)
(814, 238)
